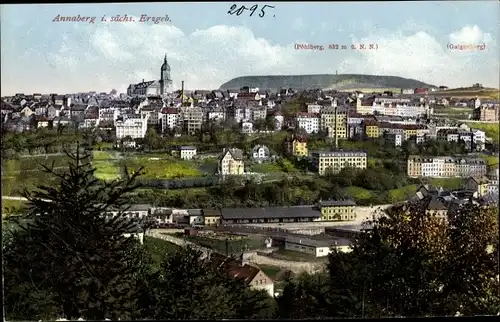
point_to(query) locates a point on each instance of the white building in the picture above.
(317, 248)
(310, 122)
(136, 128)
(169, 118)
(313, 108)
(260, 153)
(187, 152)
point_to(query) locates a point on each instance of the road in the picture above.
(18, 198)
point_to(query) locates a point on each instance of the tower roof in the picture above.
(165, 65)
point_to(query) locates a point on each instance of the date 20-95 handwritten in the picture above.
(238, 11)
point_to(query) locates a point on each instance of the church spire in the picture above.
(165, 60)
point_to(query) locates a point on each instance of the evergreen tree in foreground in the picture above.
(67, 260)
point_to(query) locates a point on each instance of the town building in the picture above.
(231, 162)
(153, 88)
(135, 128)
(334, 162)
(309, 122)
(261, 153)
(269, 215)
(445, 166)
(486, 113)
(252, 276)
(337, 210)
(187, 152)
(296, 146)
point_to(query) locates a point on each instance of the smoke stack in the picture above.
(335, 130)
(182, 92)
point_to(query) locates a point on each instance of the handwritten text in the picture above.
(238, 11)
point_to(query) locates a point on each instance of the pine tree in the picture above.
(70, 260)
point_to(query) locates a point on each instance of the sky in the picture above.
(207, 47)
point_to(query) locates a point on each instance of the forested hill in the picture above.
(339, 82)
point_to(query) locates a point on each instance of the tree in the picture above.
(412, 263)
(187, 287)
(69, 259)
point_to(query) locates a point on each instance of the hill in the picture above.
(338, 82)
(470, 92)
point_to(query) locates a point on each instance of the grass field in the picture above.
(158, 248)
(291, 255)
(10, 207)
(491, 129)
(26, 172)
(155, 166)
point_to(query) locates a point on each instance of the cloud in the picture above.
(470, 35)
(423, 57)
(113, 55)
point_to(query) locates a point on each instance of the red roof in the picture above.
(170, 110)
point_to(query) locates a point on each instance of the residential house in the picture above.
(296, 146)
(187, 152)
(252, 276)
(133, 127)
(26, 111)
(54, 111)
(169, 118)
(61, 121)
(479, 185)
(334, 122)
(196, 217)
(211, 217)
(261, 153)
(192, 119)
(42, 121)
(231, 162)
(77, 110)
(486, 113)
(338, 210)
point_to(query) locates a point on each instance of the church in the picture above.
(153, 88)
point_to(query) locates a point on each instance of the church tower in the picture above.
(165, 80)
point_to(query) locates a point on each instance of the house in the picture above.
(187, 152)
(254, 277)
(54, 111)
(261, 153)
(231, 162)
(161, 216)
(61, 121)
(337, 210)
(479, 185)
(42, 121)
(211, 217)
(26, 111)
(196, 217)
(296, 146)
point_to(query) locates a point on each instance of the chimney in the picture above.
(182, 92)
(143, 80)
(335, 130)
